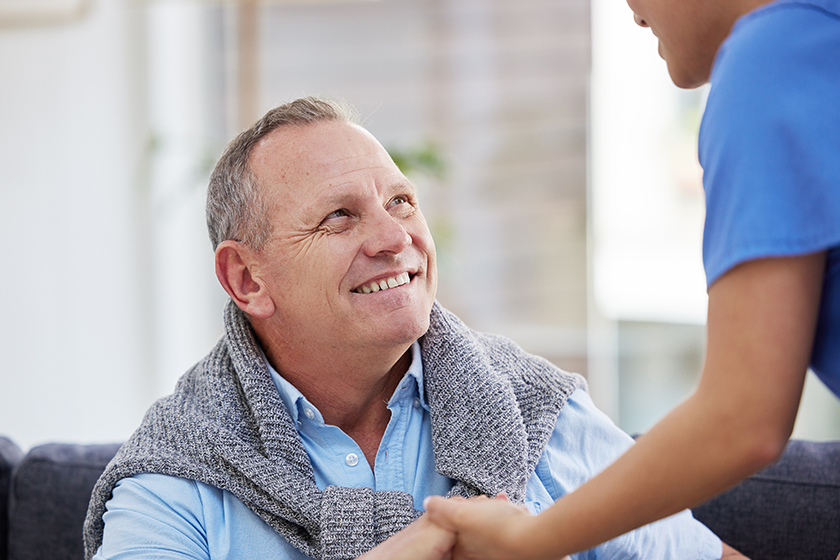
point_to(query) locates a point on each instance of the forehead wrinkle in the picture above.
(337, 168)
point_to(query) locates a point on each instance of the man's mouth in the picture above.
(384, 284)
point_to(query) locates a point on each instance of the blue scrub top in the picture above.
(770, 151)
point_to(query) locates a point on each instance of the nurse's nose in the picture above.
(639, 21)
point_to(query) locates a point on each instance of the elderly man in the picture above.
(342, 394)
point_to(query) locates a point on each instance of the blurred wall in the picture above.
(74, 326)
(110, 122)
(111, 119)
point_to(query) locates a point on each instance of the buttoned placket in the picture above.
(338, 459)
(348, 459)
(405, 409)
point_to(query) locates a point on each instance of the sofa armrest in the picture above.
(49, 498)
(788, 510)
(10, 457)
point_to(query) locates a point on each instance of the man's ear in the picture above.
(234, 266)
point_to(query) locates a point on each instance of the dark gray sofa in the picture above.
(783, 512)
(47, 492)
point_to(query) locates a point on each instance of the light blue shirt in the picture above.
(162, 517)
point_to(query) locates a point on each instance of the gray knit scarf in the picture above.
(493, 408)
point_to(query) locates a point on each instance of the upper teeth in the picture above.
(391, 282)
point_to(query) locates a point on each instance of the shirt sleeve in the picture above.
(155, 517)
(159, 517)
(584, 442)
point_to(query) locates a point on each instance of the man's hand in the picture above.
(488, 529)
(422, 540)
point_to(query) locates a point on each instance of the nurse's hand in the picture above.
(488, 529)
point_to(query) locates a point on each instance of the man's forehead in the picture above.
(285, 145)
(322, 148)
(324, 164)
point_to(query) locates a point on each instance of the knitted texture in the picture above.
(493, 408)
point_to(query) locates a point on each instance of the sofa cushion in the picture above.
(789, 510)
(50, 492)
(10, 456)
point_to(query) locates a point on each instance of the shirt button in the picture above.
(309, 413)
(352, 460)
(416, 403)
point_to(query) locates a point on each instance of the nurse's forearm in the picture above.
(691, 455)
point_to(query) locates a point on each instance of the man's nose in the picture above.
(385, 234)
(639, 21)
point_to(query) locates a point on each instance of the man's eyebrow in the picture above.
(403, 185)
(334, 200)
(316, 209)
(339, 197)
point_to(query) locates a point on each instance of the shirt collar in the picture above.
(410, 386)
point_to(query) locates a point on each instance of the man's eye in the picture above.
(399, 200)
(337, 214)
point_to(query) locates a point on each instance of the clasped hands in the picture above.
(478, 528)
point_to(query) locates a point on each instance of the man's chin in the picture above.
(404, 328)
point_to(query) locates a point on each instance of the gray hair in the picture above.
(236, 206)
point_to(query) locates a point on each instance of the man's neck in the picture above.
(351, 391)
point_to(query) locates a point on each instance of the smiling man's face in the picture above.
(351, 262)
